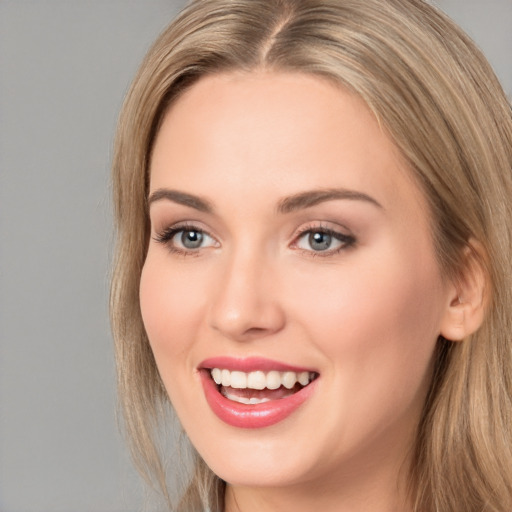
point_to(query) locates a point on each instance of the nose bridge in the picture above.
(246, 304)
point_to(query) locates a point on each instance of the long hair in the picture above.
(435, 94)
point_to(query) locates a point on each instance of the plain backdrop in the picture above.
(64, 68)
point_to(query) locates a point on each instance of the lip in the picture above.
(250, 364)
(257, 415)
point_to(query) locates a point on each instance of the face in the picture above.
(291, 293)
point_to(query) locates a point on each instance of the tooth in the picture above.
(256, 380)
(289, 379)
(217, 375)
(273, 380)
(238, 380)
(239, 399)
(245, 400)
(303, 378)
(226, 378)
(259, 380)
(254, 401)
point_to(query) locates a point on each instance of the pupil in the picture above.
(191, 239)
(319, 241)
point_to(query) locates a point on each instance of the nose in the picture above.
(246, 304)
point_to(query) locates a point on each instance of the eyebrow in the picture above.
(182, 198)
(288, 204)
(314, 197)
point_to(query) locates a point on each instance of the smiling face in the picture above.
(290, 248)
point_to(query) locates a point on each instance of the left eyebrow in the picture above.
(313, 197)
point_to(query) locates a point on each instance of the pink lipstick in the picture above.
(254, 392)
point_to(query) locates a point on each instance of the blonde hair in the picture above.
(436, 95)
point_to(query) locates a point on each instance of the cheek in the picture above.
(170, 305)
(378, 328)
(377, 321)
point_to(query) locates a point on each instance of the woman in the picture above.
(313, 260)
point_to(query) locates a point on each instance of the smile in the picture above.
(259, 387)
(254, 398)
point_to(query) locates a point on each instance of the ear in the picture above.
(466, 305)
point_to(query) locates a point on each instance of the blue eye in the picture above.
(184, 239)
(190, 239)
(323, 240)
(319, 241)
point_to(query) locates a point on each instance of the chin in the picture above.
(261, 468)
(282, 455)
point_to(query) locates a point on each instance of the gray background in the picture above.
(64, 67)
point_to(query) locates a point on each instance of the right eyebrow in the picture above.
(182, 198)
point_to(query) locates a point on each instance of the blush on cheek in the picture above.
(384, 312)
(170, 303)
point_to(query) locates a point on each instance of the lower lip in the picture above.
(252, 416)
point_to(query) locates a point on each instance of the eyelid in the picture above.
(347, 240)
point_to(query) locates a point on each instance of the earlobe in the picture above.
(465, 311)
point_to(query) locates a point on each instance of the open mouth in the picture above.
(257, 387)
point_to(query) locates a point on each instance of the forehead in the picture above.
(276, 134)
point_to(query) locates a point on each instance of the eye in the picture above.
(189, 239)
(323, 240)
(185, 239)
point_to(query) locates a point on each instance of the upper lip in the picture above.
(250, 364)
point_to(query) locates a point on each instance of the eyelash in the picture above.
(346, 241)
(166, 236)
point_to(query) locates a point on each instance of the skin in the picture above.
(366, 317)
